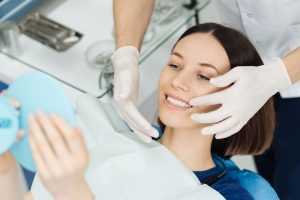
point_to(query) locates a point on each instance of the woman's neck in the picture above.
(189, 146)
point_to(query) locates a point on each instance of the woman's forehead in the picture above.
(202, 47)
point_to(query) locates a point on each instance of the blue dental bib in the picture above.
(34, 91)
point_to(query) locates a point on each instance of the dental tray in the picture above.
(49, 32)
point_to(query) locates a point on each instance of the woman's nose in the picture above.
(181, 82)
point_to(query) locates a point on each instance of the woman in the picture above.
(202, 52)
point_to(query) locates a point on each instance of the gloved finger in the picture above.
(152, 132)
(211, 117)
(142, 136)
(228, 133)
(222, 126)
(125, 81)
(116, 88)
(136, 120)
(226, 79)
(210, 99)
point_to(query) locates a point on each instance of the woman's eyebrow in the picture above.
(209, 65)
(200, 64)
(177, 54)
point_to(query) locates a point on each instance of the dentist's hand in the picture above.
(126, 86)
(252, 87)
(60, 155)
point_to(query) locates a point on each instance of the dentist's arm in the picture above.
(292, 63)
(131, 19)
(252, 87)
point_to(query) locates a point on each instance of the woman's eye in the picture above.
(202, 77)
(174, 66)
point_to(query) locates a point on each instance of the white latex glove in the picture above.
(252, 87)
(126, 86)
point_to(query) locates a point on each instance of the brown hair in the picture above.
(257, 135)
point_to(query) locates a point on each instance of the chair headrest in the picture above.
(256, 185)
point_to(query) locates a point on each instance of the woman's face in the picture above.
(195, 59)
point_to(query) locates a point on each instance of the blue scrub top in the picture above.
(226, 186)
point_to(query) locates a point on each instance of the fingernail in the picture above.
(218, 137)
(192, 102)
(16, 103)
(39, 112)
(30, 117)
(53, 115)
(155, 133)
(123, 95)
(22, 133)
(193, 117)
(206, 133)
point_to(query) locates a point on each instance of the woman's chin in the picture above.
(176, 122)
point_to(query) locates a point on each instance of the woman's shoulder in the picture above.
(231, 190)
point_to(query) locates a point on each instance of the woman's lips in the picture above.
(177, 98)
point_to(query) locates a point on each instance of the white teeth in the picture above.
(176, 102)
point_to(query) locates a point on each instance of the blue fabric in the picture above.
(226, 186)
(29, 176)
(258, 187)
(3, 86)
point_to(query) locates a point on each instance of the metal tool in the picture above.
(9, 38)
(49, 32)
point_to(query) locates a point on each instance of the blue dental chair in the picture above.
(257, 186)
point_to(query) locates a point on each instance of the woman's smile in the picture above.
(175, 102)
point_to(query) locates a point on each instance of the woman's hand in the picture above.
(60, 155)
(7, 161)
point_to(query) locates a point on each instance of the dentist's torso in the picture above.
(273, 26)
